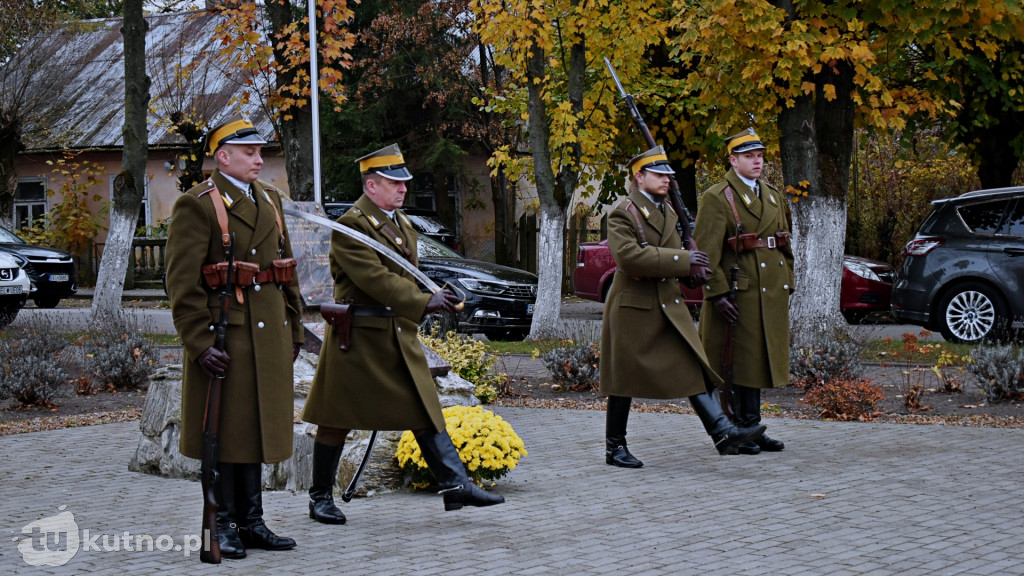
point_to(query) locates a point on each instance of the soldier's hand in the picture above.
(296, 347)
(214, 362)
(727, 308)
(442, 300)
(698, 258)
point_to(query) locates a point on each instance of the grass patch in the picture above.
(924, 353)
(524, 347)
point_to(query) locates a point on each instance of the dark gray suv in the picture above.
(963, 273)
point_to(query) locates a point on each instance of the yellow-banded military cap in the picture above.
(235, 130)
(387, 162)
(654, 160)
(744, 142)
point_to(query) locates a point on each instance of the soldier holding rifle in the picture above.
(742, 223)
(232, 214)
(649, 344)
(372, 373)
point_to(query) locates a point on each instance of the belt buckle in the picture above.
(772, 242)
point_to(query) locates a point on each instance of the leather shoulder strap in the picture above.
(222, 214)
(631, 208)
(732, 204)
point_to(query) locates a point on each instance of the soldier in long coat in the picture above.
(263, 336)
(760, 313)
(649, 344)
(381, 382)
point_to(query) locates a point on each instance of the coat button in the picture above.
(785, 286)
(212, 328)
(388, 308)
(256, 288)
(677, 300)
(260, 324)
(662, 279)
(781, 263)
(764, 289)
(285, 322)
(676, 257)
(763, 264)
(253, 252)
(399, 329)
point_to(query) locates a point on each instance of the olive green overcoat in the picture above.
(382, 381)
(649, 344)
(764, 281)
(256, 403)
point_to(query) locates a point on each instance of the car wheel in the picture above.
(441, 321)
(972, 312)
(7, 315)
(854, 316)
(509, 334)
(46, 301)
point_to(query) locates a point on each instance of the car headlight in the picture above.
(862, 271)
(483, 286)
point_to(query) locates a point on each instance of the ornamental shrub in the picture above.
(469, 359)
(834, 361)
(576, 366)
(120, 360)
(34, 367)
(487, 444)
(999, 371)
(840, 399)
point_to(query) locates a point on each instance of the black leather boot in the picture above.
(443, 460)
(738, 401)
(727, 437)
(321, 493)
(616, 453)
(249, 501)
(227, 528)
(752, 417)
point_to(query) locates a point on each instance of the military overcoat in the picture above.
(382, 381)
(649, 344)
(764, 281)
(256, 405)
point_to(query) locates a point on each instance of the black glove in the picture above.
(214, 362)
(698, 258)
(296, 347)
(442, 300)
(727, 308)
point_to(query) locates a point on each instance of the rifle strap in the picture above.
(631, 208)
(225, 236)
(397, 239)
(732, 204)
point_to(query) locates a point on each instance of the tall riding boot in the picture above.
(443, 460)
(752, 417)
(227, 520)
(249, 501)
(738, 401)
(321, 493)
(616, 452)
(727, 437)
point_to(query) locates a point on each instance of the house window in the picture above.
(423, 192)
(143, 220)
(29, 201)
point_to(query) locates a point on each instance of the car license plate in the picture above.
(58, 277)
(10, 289)
(529, 308)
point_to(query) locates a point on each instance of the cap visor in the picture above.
(660, 169)
(401, 174)
(748, 147)
(250, 139)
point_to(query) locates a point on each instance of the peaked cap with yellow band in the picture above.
(235, 130)
(654, 160)
(387, 162)
(744, 142)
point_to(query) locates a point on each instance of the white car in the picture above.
(15, 288)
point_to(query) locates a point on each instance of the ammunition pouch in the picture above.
(339, 316)
(216, 275)
(284, 270)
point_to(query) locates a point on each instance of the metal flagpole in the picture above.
(314, 88)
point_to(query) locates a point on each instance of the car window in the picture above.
(1014, 225)
(8, 237)
(427, 247)
(983, 218)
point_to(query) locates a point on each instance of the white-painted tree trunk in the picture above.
(814, 315)
(548, 310)
(106, 302)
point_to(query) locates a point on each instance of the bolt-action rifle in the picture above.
(210, 552)
(699, 274)
(728, 348)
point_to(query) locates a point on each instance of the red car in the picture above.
(866, 283)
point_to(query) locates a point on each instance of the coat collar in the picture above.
(663, 224)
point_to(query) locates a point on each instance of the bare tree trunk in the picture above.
(130, 184)
(296, 132)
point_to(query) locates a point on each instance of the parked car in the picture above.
(866, 283)
(963, 273)
(15, 288)
(52, 272)
(424, 221)
(499, 299)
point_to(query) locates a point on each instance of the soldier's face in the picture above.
(654, 183)
(242, 161)
(386, 193)
(748, 164)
